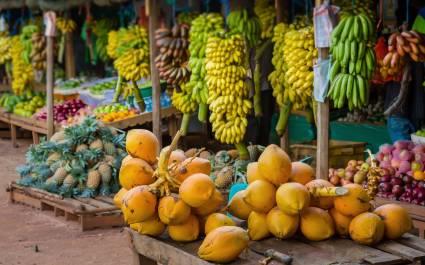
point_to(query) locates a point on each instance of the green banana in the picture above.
(350, 87)
(346, 53)
(334, 70)
(361, 50)
(353, 50)
(347, 28)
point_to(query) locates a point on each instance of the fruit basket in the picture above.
(417, 139)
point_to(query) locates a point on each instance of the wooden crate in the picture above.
(340, 152)
(417, 212)
(90, 213)
(408, 250)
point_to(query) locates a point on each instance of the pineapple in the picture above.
(109, 148)
(109, 159)
(53, 158)
(93, 179)
(96, 144)
(69, 181)
(224, 177)
(58, 177)
(105, 172)
(81, 147)
(58, 137)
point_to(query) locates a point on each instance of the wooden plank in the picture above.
(141, 119)
(69, 56)
(345, 250)
(95, 203)
(35, 138)
(401, 250)
(104, 221)
(105, 199)
(413, 242)
(50, 80)
(13, 135)
(18, 197)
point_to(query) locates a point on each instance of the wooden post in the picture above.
(50, 79)
(156, 87)
(322, 157)
(69, 56)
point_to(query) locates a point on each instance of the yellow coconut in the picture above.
(196, 189)
(215, 220)
(142, 144)
(125, 159)
(253, 173)
(192, 165)
(396, 219)
(301, 173)
(353, 203)
(342, 222)
(261, 196)
(367, 229)
(151, 227)
(119, 196)
(316, 224)
(215, 203)
(138, 205)
(282, 225)
(292, 198)
(275, 164)
(325, 203)
(185, 232)
(257, 226)
(135, 172)
(172, 210)
(176, 157)
(223, 244)
(238, 207)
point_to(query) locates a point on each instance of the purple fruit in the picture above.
(397, 190)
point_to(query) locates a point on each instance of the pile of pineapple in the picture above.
(82, 160)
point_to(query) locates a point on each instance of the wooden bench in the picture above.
(408, 250)
(417, 212)
(90, 213)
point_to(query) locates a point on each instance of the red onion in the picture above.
(397, 190)
(396, 181)
(385, 187)
(386, 149)
(385, 178)
(407, 179)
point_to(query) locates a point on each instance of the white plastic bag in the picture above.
(321, 79)
(324, 22)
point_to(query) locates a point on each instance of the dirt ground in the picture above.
(30, 237)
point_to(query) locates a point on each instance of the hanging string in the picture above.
(407, 11)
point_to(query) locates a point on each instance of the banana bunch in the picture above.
(227, 91)
(38, 51)
(101, 29)
(173, 54)
(240, 22)
(22, 72)
(366, 7)
(402, 45)
(267, 15)
(111, 47)
(132, 37)
(202, 26)
(5, 45)
(353, 61)
(26, 41)
(301, 21)
(181, 99)
(65, 25)
(186, 17)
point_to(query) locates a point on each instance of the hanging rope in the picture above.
(407, 11)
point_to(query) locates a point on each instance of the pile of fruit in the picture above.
(202, 27)
(420, 133)
(355, 172)
(371, 113)
(63, 111)
(227, 91)
(402, 45)
(403, 172)
(69, 84)
(385, 73)
(115, 112)
(82, 160)
(25, 105)
(283, 198)
(100, 88)
(354, 61)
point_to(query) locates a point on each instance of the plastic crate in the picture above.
(340, 152)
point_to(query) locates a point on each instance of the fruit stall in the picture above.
(120, 116)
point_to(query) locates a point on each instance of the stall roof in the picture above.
(56, 5)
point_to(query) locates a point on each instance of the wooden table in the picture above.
(408, 250)
(36, 127)
(417, 212)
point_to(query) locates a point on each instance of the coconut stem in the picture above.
(242, 150)
(185, 123)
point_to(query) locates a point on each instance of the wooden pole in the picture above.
(156, 87)
(69, 56)
(49, 85)
(322, 156)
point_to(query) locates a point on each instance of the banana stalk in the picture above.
(283, 118)
(61, 48)
(203, 112)
(242, 150)
(139, 100)
(258, 112)
(185, 123)
(118, 90)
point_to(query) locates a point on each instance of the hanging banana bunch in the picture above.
(38, 51)
(100, 29)
(64, 25)
(203, 26)
(22, 72)
(227, 91)
(249, 27)
(267, 15)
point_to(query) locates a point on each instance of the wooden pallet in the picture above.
(90, 213)
(417, 212)
(408, 250)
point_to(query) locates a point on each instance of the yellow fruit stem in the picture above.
(203, 112)
(258, 112)
(118, 90)
(139, 100)
(328, 191)
(185, 123)
(242, 150)
(283, 118)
